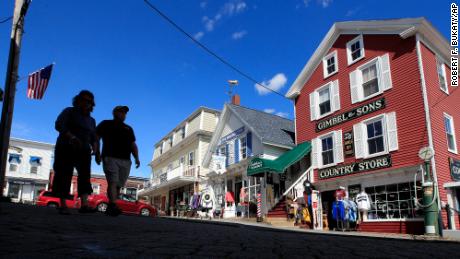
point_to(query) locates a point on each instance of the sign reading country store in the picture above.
(355, 167)
(352, 114)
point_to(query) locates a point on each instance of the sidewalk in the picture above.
(252, 222)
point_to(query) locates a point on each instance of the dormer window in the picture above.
(330, 64)
(355, 50)
(182, 132)
(170, 141)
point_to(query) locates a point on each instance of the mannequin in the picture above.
(364, 204)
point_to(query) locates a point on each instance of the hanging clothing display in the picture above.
(340, 194)
(351, 210)
(338, 210)
(206, 200)
(363, 201)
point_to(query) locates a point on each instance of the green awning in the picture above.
(260, 165)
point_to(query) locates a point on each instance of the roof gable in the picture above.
(403, 27)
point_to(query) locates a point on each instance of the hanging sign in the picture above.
(454, 169)
(356, 167)
(232, 135)
(349, 115)
(348, 148)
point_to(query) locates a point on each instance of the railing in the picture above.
(185, 171)
(292, 190)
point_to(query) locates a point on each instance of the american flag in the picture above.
(38, 81)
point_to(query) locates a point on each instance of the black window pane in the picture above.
(371, 87)
(330, 69)
(378, 128)
(328, 157)
(325, 107)
(370, 130)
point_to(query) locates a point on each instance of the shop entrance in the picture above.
(327, 198)
(238, 186)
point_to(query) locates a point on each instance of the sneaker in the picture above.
(63, 211)
(86, 209)
(112, 210)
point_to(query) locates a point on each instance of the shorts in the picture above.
(116, 170)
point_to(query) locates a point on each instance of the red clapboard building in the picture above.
(370, 97)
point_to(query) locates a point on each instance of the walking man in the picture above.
(119, 143)
(74, 146)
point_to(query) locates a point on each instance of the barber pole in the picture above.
(259, 207)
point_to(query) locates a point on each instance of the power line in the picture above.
(209, 51)
(7, 19)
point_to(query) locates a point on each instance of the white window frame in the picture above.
(337, 149)
(37, 169)
(384, 135)
(439, 61)
(334, 99)
(336, 64)
(373, 62)
(451, 122)
(241, 148)
(361, 42)
(96, 190)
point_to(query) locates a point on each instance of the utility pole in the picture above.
(20, 10)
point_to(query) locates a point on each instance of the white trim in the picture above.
(427, 110)
(451, 185)
(380, 117)
(394, 220)
(374, 61)
(316, 96)
(359, 39)
(451, 122)
(336, 64)
(330, 134)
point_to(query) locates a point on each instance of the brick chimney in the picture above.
(236, 99)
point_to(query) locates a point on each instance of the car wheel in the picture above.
(52, 205)
(145, 212)
(102, 207)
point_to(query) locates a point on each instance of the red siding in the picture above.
(439, 102)
(402, 227)
(405, 98)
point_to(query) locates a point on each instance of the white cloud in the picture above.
(203, 4)
(276, 83)
(198, 35)
(282, 114)
(352, 12)
(306, 3)
(325, 3)
(239, 34)
(227, 10)
(269, 110)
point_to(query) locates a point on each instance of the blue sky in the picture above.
(126, 54)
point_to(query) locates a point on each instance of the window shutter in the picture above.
(312, 106)
(355, 86)
(227, 162)
(237, 150)
(335, 96)
(338, 147)
(358, 133)
(392, 131)
(249, 143)
(315, 146)
(385, 73)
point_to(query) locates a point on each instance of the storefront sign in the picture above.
(163, 178)
(454, 169)
(232, 135)
(255, 163)
(356, 167)
(353, 114)
(348, 148)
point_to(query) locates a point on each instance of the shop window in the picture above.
(441, 69)
(355, 50)
(243, 148)
(450, 133)
(394, 201)
(370, 79)
(376, 136)
(330, 64)
(325, 100)
(13, 190)
(170, 141)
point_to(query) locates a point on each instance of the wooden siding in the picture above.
(401, 227)
(193, 125)
(209, 121)
(405, 97)
(440, 103)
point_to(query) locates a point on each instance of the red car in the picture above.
(126, 203)
(46, 198)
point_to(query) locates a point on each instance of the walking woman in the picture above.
(74, 146)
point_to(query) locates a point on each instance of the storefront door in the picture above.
(327, 198)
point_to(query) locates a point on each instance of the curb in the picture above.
(421, 238)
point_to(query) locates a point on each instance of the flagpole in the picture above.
(20, 10)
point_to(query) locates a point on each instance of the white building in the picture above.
(177, 161)
(27, 170)
(241, 135)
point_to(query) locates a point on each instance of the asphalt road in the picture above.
(31, 232)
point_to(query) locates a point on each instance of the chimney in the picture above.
(236, 99)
